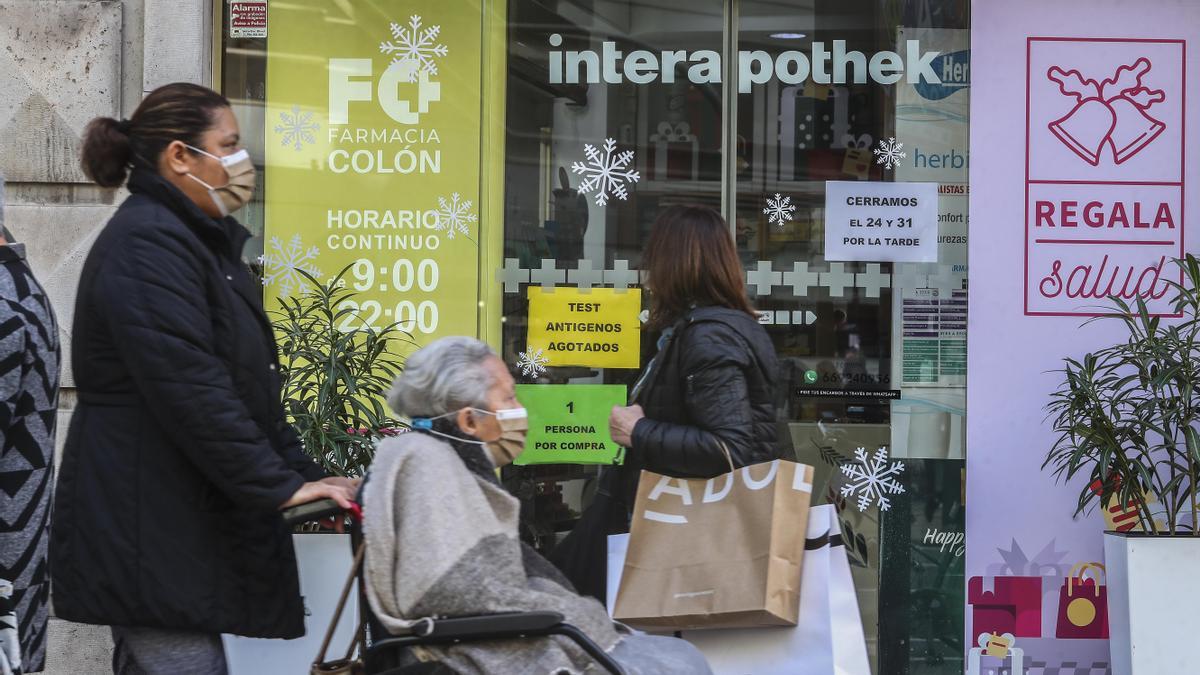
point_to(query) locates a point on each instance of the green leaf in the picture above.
(1192, 438)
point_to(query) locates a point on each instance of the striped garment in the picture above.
(29, 367)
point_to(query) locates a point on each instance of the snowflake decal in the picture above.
(454, 215)
(889, 153)
(532, 362)
(297, 128)
(415, 43)
(280, 265)
(872, 479)
(605, 172)
(779, 210)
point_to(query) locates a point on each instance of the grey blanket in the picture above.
(441, 542)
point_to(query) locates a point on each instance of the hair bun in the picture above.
(124, 127)
(106, 151)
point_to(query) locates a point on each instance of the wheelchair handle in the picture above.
(319, 510)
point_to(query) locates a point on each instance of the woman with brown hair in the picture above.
(167, 522)
(711, 387)
(709, 391)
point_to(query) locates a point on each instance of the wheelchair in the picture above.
(386, 653)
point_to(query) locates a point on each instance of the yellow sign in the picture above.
(595, 327)
(374, 152)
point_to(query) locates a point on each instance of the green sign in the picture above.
(568, 423)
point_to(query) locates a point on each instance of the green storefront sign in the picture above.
(568, 423)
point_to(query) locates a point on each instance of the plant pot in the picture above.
(324, 561)
(1152, 598)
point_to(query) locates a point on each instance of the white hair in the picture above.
(444, 376)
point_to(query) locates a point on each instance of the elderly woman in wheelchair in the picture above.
(441, 535)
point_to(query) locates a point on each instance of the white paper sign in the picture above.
(881, 222)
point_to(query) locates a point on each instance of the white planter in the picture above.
(324, 561)
(1152, 602)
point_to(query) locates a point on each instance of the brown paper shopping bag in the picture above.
(717, 553)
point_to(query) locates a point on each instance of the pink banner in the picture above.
(1082, 134)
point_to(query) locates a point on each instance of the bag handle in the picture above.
(1079, 570)
(728, 456)
(337, 613)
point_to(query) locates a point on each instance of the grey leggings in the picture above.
(160, 651)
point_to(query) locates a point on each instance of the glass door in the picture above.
(761, 109)
(596, 87)
(834, 103)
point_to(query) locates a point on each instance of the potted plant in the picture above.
(1126, 418)
(336, 371)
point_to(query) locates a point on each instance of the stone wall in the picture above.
(62, 63)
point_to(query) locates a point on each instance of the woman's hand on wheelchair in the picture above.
(337, 489)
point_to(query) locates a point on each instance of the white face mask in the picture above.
(514, 426)
(238, 189)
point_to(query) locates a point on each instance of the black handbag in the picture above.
(582, 556)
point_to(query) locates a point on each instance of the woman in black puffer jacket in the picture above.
(711, 387)
(166, 523)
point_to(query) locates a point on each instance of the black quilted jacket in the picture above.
(717, 383)
(178, 454)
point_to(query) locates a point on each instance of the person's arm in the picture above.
(716, 396)
(153, 299)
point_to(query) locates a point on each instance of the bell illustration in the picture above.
(1133, 130)
(1085, 129)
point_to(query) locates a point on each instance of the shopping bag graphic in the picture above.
(1083, 604)
(722, 552)
(1006, 605)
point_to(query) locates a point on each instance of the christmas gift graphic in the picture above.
(998, 648)
(1006, 605)
(1127, 517)
(675, 153)
(1047, 562)
(1083, 604)
(820, 92)
(1112, 112)
(1068, 667)
(858, 158)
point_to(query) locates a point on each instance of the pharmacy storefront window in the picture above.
(506, 184)
(844, 145)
